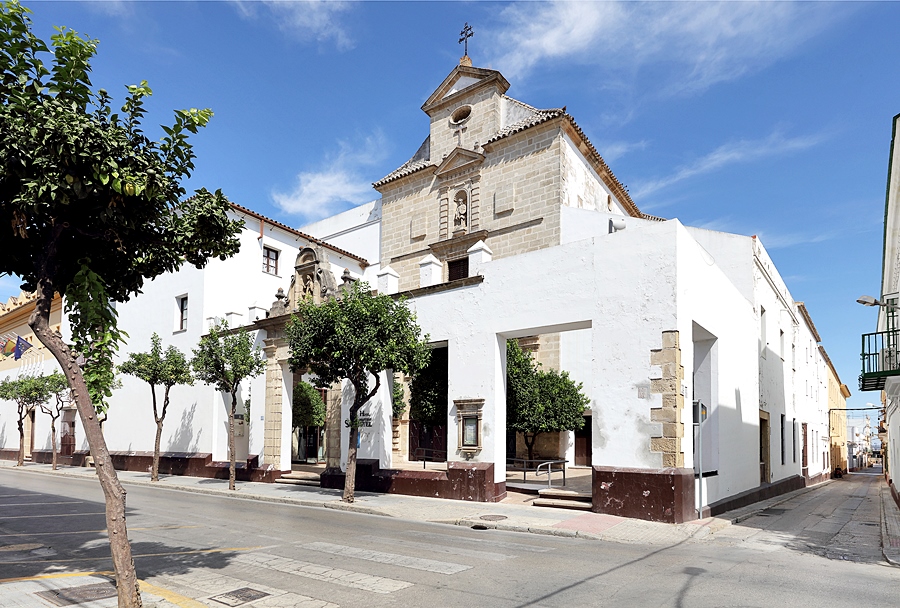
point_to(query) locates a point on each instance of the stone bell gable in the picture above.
(492, 169)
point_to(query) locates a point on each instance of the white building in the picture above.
(507, 224)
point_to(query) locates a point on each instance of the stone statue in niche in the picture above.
(461, 211)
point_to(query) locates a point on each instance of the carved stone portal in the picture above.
(312, 278)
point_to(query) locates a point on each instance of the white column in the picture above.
(479, 255)
(388, 280)
(430, 271)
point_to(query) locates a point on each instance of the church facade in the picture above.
(706, 382)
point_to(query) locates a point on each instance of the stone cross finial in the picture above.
(464, 36)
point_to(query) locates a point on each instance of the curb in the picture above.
(884, 533)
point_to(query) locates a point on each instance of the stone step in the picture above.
(308, 475)
(565, 494)
(299, 482)
(561, 503)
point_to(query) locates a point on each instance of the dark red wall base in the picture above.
(170, 463)
(472, 481)
(665, 495)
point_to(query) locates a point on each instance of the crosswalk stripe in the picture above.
(416, 563)
(433, 548)
(338, 576)
(492, 541)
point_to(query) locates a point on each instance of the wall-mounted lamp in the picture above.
(616, 224)
(870, 301)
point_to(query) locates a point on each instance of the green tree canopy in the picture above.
(539, 401)
(90, 208)
(158, 369)
(354, 337)
(28, 393)
(308, 407)
(224, 359)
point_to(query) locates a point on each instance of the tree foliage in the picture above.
(308, 407)
(356, 337)
(90, 208)
(540, 401)
(224, 359)
(428, 392)
(58, 390)
(28, 393)
(158, 369)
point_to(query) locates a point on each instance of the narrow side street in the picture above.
(841, 520)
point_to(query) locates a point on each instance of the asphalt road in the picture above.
(201, 546)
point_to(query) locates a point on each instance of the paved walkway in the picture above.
(852, 518)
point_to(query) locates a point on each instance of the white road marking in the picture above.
(416, 563)
(488, 555)
(338, 576)
(492, 542)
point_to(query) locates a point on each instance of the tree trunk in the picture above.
(154, 471)
(350, 477)
(154, 468)
(21, 460)
(231, 438)
(120, 549)
(530, 444)
(53, 440)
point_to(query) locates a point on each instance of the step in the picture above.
(560, 503)
(307, 475)
(566, 494)
(300, 482)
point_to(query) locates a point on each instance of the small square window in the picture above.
(270, 260)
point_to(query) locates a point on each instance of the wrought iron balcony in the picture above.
(880, 359)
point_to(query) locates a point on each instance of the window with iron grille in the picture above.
(458, 269)
(270, 260)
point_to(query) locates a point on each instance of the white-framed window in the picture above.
(181, 313)
(270, 260)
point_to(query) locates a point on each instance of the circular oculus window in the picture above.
(460, 115)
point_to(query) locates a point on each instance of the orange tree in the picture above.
(90, 208)
(356, 337)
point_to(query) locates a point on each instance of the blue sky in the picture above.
(770, 119)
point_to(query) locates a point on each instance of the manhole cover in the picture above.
(79, 595)
(493, 517)
(239, 596)
(865, 523)
(774, 512)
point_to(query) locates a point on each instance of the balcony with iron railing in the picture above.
(880, 359)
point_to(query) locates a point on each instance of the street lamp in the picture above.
(871, 301)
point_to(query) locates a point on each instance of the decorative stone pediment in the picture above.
(458, 161)
(464, 79)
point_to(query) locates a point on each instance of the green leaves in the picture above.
(224, 358)
(157, 368)
(308, 409)
(29, 392)
(354, 336)
(539, 401)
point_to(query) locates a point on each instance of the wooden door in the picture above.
(583, 444)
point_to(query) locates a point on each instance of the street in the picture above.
(820, 548)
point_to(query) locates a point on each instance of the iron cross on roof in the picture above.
(464, 36)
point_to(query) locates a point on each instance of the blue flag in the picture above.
(21, 346)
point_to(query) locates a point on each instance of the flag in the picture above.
(21, 346)
(8, 346)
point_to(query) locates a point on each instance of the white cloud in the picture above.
(324, 192)
(306, 19)
(688, 45)
(616, 150)
(742, 151)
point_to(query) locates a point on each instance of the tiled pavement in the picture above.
(194, 589)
